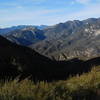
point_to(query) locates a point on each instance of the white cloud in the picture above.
(38, 0)
(19, 7)
(8, 4)
(34, 1)
(72, 2)
(43, 16)
(29, 17)
(83, 1)
(11, 5)
(88, 12)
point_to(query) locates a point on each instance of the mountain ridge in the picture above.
(4, 31)
(67, 40)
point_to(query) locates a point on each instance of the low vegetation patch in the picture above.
(84, 87)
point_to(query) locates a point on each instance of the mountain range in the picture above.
(26, 36)
(9, 29)
(62, 41)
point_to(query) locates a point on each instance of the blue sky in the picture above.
(48, 12)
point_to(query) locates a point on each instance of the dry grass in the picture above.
(84, 87)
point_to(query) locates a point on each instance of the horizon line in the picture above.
(9, 26)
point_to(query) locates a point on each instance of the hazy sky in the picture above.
(49, 12)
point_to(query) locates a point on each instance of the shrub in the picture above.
(84, 87)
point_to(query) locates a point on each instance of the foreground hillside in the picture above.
(84, 87)
(24, 62)
(17, 60)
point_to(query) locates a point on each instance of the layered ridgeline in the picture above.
(63, 41)
(25, 36)
(21, 61)
(9, 29)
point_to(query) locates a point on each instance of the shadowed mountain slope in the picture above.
(19, 60)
